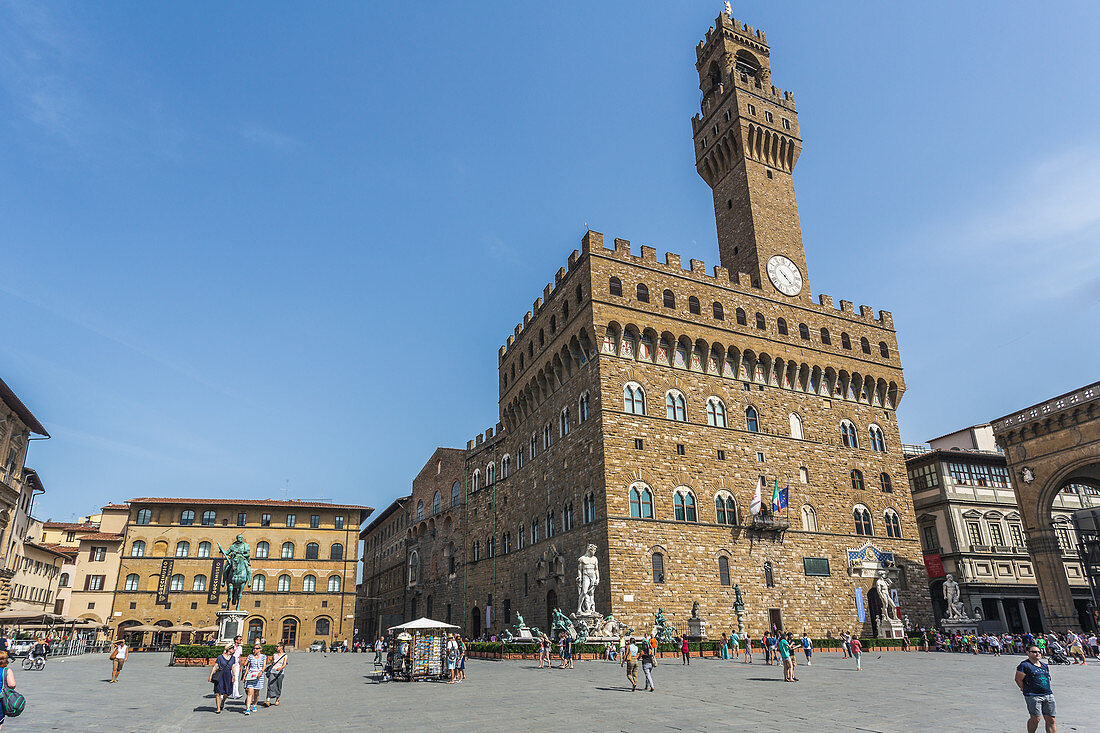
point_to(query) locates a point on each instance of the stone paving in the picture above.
(895, 692)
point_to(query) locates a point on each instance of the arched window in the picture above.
(825, 337)
(283, 584)
(641, 502)
(176, 583)
(804, 332)
(643, 293)
(719, 313)
(255, 630)
(477, 479)
(865, 345)
(187, 516)
(716, 412)
(809, 518)
(589, 508)
(893, 523)
(437, 503)
(309, 583)
(658, 568)
(312, 551)
(670, 299)
(414, 567)
(769, 576)
(723, 570)
(550, 524)
(262, 549)
(848, 435)
(752, 422)
(741, 320)
(183, 549)
(567, 519)
(259, 581)
(887, 485)
(144, 516)
(803, 475)
(505, 468)
(534, 531)
(323, 626)
(334, 584)
(862, 516)
(490, 474)
(693, 305)
(845, 340)
(675, 406)
(857, 480)
(634, 398)
(419, 510)
(683, 502)
(336, 552)
(615, 286)
(883, 350)
(781, 326)
(878, 442)
(288, 551)
(63, 582)
(208, 518)
(760, 322)
(564, 425)
(584, 407)
(725, 511)
(204, 549)
(199, 583)
(796, 426)
(137, 549)
(547, 435)
(133, 581)
(456, 493)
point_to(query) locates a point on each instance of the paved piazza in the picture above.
(895, 692)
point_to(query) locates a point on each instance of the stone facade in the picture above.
(308, 588)
(435, 555)
(634, 374)
(380, 602)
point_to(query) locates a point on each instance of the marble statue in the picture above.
(882, 587)
(695, 609)
(729, 10)
(588, 577)
(951, 596)
(237, 572)
(610, 628)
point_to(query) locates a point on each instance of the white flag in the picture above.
(754, 507)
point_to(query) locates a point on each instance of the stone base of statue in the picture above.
(230, 624)
(523, 636)
(890, 628)
(697, 629)
(961, 626)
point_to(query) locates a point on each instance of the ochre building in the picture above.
(643, 401)
(304, 557)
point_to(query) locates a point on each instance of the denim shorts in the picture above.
(1040, 704)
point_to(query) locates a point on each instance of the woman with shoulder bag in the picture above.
(11, 702)
(252, 671)
(275, 675)
(221, 674)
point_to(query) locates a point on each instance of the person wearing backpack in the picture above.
(11, 702)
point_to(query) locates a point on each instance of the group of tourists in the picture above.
(456, 659)
(230, 670)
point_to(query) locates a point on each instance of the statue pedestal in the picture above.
(230, 624)
(891, 628)
(697, 629)
(961, 626)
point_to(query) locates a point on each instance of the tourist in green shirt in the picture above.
(784, 646)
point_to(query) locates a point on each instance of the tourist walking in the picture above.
(566, 646)
(460, 671)
(253, 674)
(221, 674)
(685, 649)
(7, 683)
(924, 641)
(856, 649)
(645, 656)
(748, 648)
(724, 649)
(632, 663)
(622, 650)
(452, 658)
(783, 647)
(119, 652)
(379, 647)
(275, 672)
(1033, 679)
(544, 651)
(237, 646)
(807, 648)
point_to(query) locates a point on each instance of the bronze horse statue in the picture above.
(237, 571)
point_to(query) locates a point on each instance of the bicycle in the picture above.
(36, 663)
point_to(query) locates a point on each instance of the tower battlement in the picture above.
(728, 24)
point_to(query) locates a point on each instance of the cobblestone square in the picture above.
(895, 692)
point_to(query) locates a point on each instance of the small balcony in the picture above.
(766, 522)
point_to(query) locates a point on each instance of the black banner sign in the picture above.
(162, 582)
(214, 590)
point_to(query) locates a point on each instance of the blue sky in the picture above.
(260, 243)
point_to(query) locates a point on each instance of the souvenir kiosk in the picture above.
(417, 650)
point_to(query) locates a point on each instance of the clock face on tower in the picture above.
(784, 275)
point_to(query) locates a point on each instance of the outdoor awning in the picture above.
(423, 623)
(143, 628)
(23, 617)
(206, 629)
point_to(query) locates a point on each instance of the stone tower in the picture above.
(746, 146)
